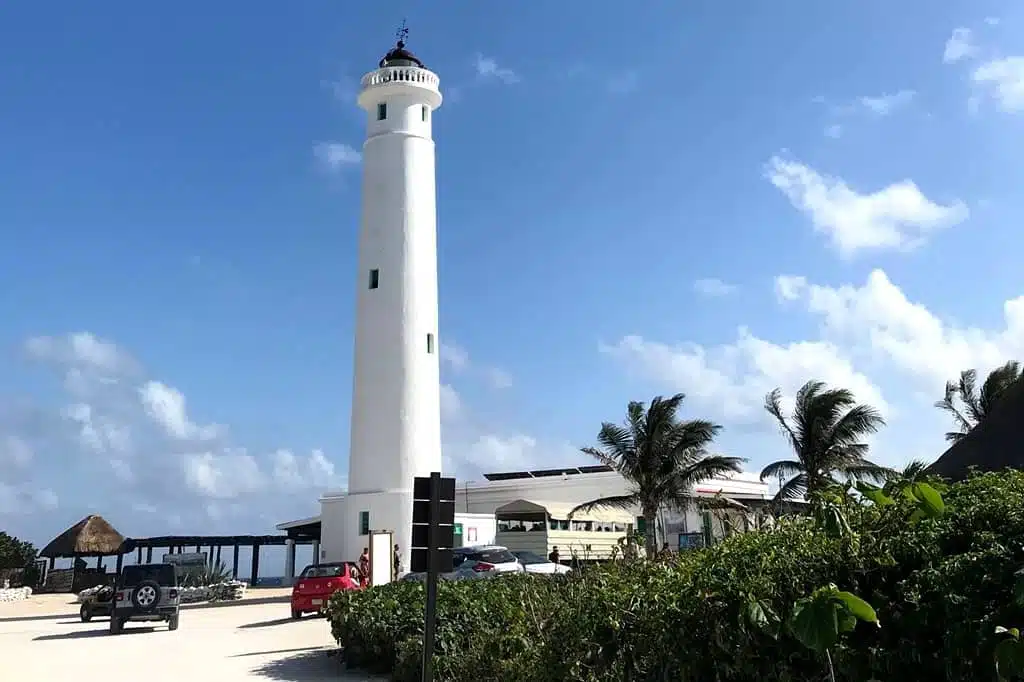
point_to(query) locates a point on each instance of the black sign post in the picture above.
(433, 534)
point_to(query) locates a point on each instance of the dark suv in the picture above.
(146, 592)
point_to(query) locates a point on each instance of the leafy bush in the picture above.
(939, 571)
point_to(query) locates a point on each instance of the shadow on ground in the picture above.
(307, 666)
(86, 634)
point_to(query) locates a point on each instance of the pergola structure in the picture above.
(93, 536)
(177, 544)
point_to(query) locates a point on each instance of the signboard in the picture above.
(381, 558)
(186, 559)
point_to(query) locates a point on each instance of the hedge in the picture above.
(940, 587)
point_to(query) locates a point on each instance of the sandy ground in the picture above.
(42, 638)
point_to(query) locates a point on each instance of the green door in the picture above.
(458, 535)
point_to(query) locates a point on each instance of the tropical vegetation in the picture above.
(15, 553)
(917, 581)
(912, 578)
(968, 404)
(661, 457)
(826, 433)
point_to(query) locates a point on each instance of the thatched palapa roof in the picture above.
(92, 536)
(995, 444)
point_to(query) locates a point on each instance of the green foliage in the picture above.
(939, 574)
(15, 553)
(212, 573)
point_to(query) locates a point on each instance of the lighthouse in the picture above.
(396, 412)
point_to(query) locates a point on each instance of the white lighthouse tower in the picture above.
(396, 413)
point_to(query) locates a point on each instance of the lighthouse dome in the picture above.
(399, 56)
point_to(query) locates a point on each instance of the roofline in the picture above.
(287, 525)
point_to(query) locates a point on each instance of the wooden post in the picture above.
(255, 564)
(234, 565)
(53, 562)
(149, 555)
(218, 555)
(138, 555)
(120, 563)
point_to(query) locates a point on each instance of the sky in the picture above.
(711, 197)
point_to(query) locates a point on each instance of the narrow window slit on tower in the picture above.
(430, 343)
(364, 523)
(382, 111)
(374, 278)
(423, 113)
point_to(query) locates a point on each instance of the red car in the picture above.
(317, 583)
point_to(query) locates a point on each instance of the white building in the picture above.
(396, 414)
(528, 510)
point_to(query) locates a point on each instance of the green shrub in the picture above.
(940, 585)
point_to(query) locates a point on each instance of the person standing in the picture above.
(553, 557)
(398, 563)
(364, 566)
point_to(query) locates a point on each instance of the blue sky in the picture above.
(716, 198)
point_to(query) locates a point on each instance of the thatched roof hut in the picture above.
(92, 536)
(993, 445)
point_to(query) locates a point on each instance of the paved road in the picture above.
(247, 641)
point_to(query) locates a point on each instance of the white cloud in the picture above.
(224, 475)
(166, 405)
(489, 452)
(885, 104)
(24, 500)
(878, 320)
(992, 21)
(499, 378)
(335, 155)
(713, 286)
(835, 131)
(488, 69)
(454, 356)
(120, 430)
(789, 287)
(898, 216)
(15, 453)
(959, 46)
(1002, 80)
(731, 380)
(451, 404)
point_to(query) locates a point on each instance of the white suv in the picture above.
(146, 592)
(484, 561)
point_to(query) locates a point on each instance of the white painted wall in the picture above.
(477, 529)
(396, 415)
(477, 501)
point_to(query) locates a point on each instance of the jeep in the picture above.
(146, 592)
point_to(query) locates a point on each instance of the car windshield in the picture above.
(527, 558)
(324, 571)
(492, 555)
(163, 574)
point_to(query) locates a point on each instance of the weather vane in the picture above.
(402, 33)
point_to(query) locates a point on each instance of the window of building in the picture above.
(382, 111)
(430, 343)
(374, 278)
(423, 113)
(364, 523)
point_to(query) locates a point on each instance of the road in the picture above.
(250, 640)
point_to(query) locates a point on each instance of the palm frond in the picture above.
(624, 502)
(786, 468)
(773, 405)
(793, 489)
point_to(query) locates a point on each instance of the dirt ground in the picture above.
(42, 638)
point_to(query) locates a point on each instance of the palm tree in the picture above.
(976, 405)
(661, 458)
(825, 433)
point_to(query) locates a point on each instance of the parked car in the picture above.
(101, 603)
(146, 592)
(316, 584)
(481, 561)
(535, 563)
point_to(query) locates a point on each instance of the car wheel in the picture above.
(172, 623)
(146, 596)
(85, 613)
(296, 614)
(115, 625)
